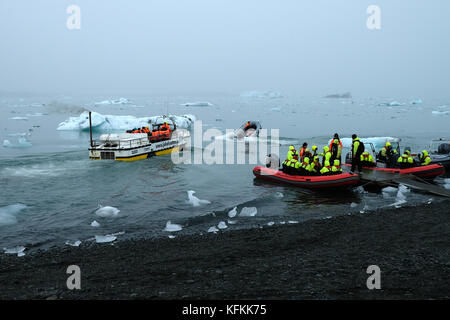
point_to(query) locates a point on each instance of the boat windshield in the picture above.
(437, 144)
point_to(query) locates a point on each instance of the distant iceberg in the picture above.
(118, 101)
(418, 101)
(112, 122)
(21, 143)
(378, 142)
(262, 94)
(440, 113)
(197, 104)
(346, 95)
(391, 104)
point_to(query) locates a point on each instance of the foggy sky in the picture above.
(226, 46)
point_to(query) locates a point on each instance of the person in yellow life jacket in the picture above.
(357, 150)
(315, 165)
(302, 150)
(336, 168)
(292, 152)
(306, 154)
(326, 168)
(293, 166)
(336, 148)
(326, 155)
(367, 160)
(405, 161)
(387, 154)
(306, 167)
(424, 158)
(314, 151)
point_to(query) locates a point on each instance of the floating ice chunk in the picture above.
(440, 113)
(232, 213)
(353, 205)
(171, 236)
(292, 221)
(107, 211)
(73, 243)
(197, 104)
(16, 250)
(231, 221)
(447, 184)
(95, 224)
(418, 101)
(213, 229)
(21, 143)
(248, 212)
(398, 203)
(390, 189)
(172, 227)
(8, 213)
(104, 239)
(271, 223)
(113, 122)
(19, 118)
(222, 225)
(118, 101)
(279, 195)
(262, 94)
(282, 222)
(194, 200)
(395, 104)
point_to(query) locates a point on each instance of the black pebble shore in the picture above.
(317, 259)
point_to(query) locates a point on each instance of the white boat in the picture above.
(138, 146)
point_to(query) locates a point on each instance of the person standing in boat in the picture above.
(336, 148)
(302, 150)
(357, 150)
(424, 158)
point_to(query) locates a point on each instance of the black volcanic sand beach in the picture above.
(318, 259)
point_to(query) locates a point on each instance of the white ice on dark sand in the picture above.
(107, 211)
(248, 212)
(231, 221)
(447, 184)
(95, 224)
(222, 225)
(172, 227)
(232, 213)
(75, 243)
(213, 229)
(19, 250)
(105, 239)
(113, 122)
(194, 200)
(8, 213)
(271, 223)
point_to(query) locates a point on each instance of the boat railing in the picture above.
(129, 143)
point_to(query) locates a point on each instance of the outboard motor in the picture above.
(444, 148)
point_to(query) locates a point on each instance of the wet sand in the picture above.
(317, 259)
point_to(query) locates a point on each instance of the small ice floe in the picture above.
(107, 211)
(440, 113)
(75, 243)
(447, 184)
(171, 236)
(353, 205)
(19, 118)
(22, 142)
(194, 200)
(282, 222)
(398, 203)
(429, 201)
(197, 104)
(213, 229)
(231, 221)
(117, 101)
(222, 225)
(271, 223)
(395, 104)
(248, 212)
(279, 195)
(262, 94)
(105, 239)
(401, 193)
(172, 227)
(8, 213)
(95, 224)
(232, 213)
(418, 101)
(292, 221)
(19, 250)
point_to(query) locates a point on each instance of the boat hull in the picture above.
(428, 172)
(339, 181)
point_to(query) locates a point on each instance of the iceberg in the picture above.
(16, 250)
(346, 95)
(73, 243)
(19, 118)
(222, 225)
(440, 113)
(213, 229)
(118, 101)
(232, 213)
(418, 101)
(8, 213)
(197, 104)
(22, 142)
(95, 224)
(112, 122)
(262, 94)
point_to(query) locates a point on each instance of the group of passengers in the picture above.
(307, 163)
(161, 133)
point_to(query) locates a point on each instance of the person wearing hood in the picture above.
(424, 158)
(326, 155)
(292, 152)
(406, 160)
(336, 148)
(336, 168)
(302, 150)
